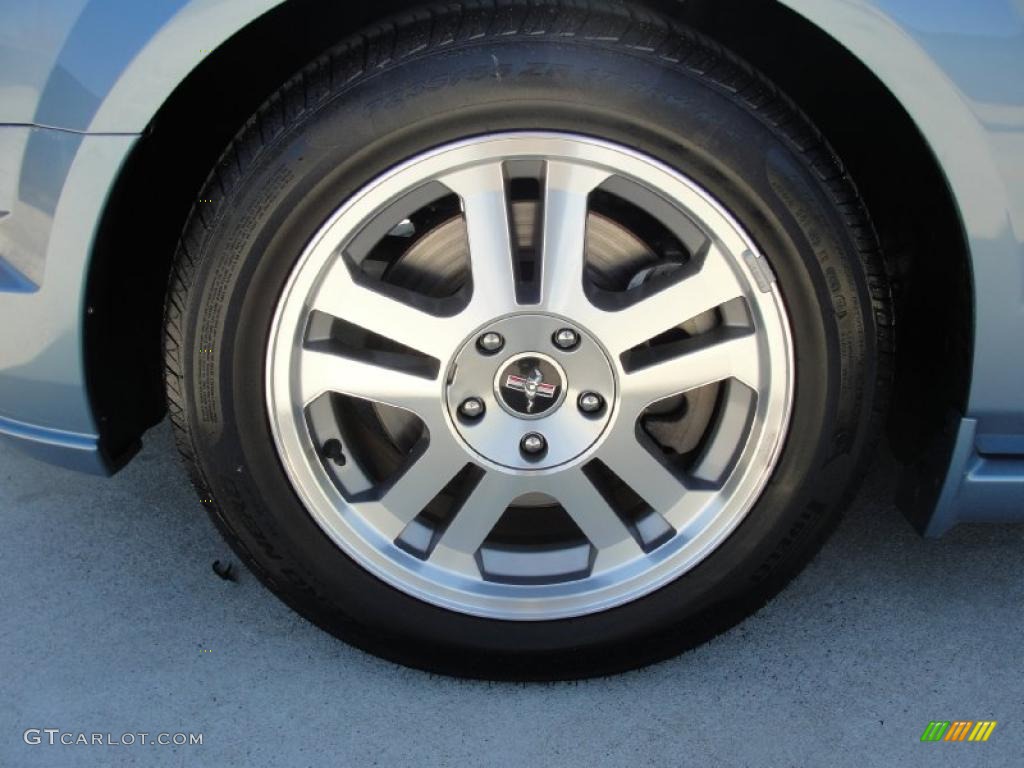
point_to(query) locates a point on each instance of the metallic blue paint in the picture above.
(56, 200)
(979, 487)
(956, 67)
(80, 79)
(68, 449)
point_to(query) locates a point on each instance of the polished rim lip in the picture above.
(658, 571)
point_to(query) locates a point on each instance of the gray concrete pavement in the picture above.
(111, 620)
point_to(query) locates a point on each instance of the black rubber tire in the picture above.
(437, 75)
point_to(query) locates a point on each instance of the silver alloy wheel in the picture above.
(685, 515)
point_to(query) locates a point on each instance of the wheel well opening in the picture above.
(156, 189)
(907, 196)
(900, 180)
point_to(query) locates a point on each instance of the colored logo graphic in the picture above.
(958, 730)
(533, 385)
(530, 386)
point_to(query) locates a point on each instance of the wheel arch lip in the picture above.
(108, 67)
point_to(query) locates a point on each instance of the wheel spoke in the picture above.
(343, 295)
(475, 519)
(485, 206)
(407, 496)
(595, 517)
(651, 480)
(691, 508)
(713, 284)
(401, 501)
(323, 371)
(567, 189)
(671, 497)
(715, 356)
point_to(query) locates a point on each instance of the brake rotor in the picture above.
(436, 263)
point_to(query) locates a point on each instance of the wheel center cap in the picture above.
(530, 385)
(515, 392)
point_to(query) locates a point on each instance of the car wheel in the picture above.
(527, 342)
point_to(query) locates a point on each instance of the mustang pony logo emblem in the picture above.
(533, 386)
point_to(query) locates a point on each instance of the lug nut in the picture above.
(472, 407)
(491, 342)
(566, 338)
(533, 443)
(590, 402)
